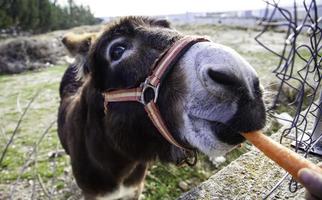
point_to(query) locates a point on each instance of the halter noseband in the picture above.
(161, 68)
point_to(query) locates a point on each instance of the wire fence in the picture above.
(299, 71)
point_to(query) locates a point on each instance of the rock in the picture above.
(284, 119)
(217, 160)
(220, 159)
(183, 186)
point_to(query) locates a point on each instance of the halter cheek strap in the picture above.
(162, 67)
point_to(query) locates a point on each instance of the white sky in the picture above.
(105, 8)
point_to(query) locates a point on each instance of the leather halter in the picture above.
(161, 68)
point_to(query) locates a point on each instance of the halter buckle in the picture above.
(148, 87)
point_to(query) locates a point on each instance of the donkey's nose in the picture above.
(224, 78)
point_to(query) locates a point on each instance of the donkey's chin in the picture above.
(223, 132)
(205, 135)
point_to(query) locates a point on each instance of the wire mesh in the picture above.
(299, 72)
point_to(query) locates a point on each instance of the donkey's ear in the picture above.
(162, 22)
(78, 44)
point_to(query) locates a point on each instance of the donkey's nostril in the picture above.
(223, 78)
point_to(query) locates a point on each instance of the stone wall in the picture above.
(251, 176)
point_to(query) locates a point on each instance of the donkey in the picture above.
(110, 123)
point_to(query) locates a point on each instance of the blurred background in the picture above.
(33, 164)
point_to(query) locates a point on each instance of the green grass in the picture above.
(17, 90)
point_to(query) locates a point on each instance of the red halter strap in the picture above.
(161, 68)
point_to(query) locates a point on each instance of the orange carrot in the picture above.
(284, 157)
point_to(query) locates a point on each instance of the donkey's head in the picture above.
(209, 97)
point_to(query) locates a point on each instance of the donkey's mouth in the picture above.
(223, 132)
(226, 133)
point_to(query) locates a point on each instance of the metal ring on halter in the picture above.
(145, 87)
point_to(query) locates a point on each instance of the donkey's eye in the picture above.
(116, 52)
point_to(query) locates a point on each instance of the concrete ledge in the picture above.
(251, 176)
